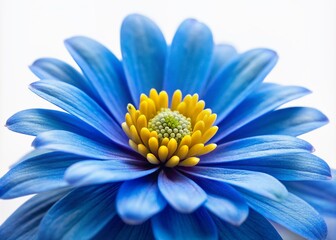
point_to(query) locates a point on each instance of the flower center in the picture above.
(174, 135)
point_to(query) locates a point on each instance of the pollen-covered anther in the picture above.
(170, 135)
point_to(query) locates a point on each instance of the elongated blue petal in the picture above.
(224, 202)
(83, 213)
(69, 142)
(36, 173)
(292, 213)
(189, 58)
(320, 194)
(256, 182)
(117, 229)
(222, 55)
(183, 194)
(104, 71)
(287, 166)
(144, 50)
(292, 121)
(257, 104)
(77, 103)
(98, 172)
(36, 121)
(256, 147)
(139, 199)
(239, 79)
(170, 224)
(54, 69)
(255, 227)
(24, 222)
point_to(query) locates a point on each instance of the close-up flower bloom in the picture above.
(175, 141)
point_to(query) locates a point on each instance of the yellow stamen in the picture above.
(172, 135)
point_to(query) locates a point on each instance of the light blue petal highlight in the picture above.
(81, 214)
(189, 58)
(98, 172)
(292, 213)
(182, 193)
(69, 142)
(79, 104)
(36, 173)
(104, 71)
(139, 199)
(36, 121)
(255, 227)
(222, 55)
(292, 121)
(54, 69)
(320, 194)
(170, 224)
(239, 79)
(255, 182)
(287, 166)
(224, 202)
(24, 223)
(143, 50)
(256, 147)
(264, 100)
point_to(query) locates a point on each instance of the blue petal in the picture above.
(69, 142)
(36, 173)
(239, 79)
(320, 194)
(139, 199)
(104, 71)
(224, 202)
(183, 194)
(97, 172)
(24, 223)
(256, 147)
(292, 121)
(36, 121)
(143, 50)
(222, 55)
(256, 182)
(292, 213)
(287, 166)
(255, 227)
(170, 224)
(54, 69)
(81, 214)
(257, 104)
(77, 103)
(117, 229)
(189, 58)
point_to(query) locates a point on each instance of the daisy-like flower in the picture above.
(179, 141)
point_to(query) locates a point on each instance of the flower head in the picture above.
(173, 142)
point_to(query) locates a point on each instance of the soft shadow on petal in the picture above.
(292, 121)
(139, 199)
(257, 104)
(255, 227)
(143, 50)
(170, 224)
(292, 213)
(189, 58)
(24, 222)
(255, 182)
(104, 72)
(182, 193)
(239, 79)
(36, 173)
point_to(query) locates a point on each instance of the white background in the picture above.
(303, 32)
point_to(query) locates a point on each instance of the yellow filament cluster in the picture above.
(167, 151)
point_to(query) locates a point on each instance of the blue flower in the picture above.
(137, 155)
